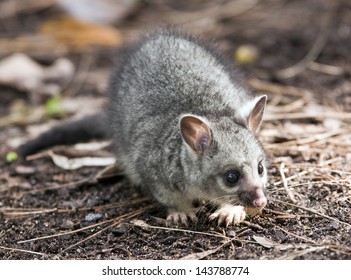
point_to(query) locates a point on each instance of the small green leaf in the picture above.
(53, 107)
(306, 228)
(11, 156)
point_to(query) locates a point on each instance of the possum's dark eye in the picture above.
(232, 176)
(260, 168)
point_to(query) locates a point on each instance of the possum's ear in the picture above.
(195, 133)
(253, 112)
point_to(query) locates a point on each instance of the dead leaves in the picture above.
(264, 241)
(294, 250)
(102, 11)
(75, 163)
(23, 73)
(78, 36)
(297, 125)
(61, 36)
(200, 255)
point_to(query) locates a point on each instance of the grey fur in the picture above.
(162, 78)
(180, 120)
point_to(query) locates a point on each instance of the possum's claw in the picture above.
(229, 214)
(181, 217)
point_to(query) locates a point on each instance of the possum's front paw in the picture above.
(229, 214)
(181, 217)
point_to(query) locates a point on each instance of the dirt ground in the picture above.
(303, 65)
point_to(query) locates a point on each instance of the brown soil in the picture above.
(307, 136)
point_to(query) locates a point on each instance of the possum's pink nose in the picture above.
(260, 199)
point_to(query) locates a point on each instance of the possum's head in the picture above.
(224, 161)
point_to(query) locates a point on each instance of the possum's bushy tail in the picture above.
(82, 130)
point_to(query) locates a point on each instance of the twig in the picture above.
(39, 155)
(117, 221)
(85, 228)
(295, 176)
(314, 51)
(9, 212)
(177, 229)
(324, 165)
(288, 108)
(89, 237)
(295, 235)
(289, 216)
(24, 213)
(308, 140)
(299, 253)
(56, 187)
(332, 247)
(81, 75)
(252, 225)
(228, 10)
(23, 251)
(201, 255)
(265, 86)
(65, 233)
(308, 115)
(312, 211)
(285, 182)
(216, 234)
(326, 69)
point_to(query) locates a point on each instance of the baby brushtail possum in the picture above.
(183, 128)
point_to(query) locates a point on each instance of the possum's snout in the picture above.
(253, 198)
(260, 199)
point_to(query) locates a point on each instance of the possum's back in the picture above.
(160, 79)
(167, 75)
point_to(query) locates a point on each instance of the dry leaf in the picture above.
(250, 211)
(101, 11)
(140, 223)
(77, 36)
(264, 242)
(75, 163)
(92, 146)
(200, 255)
(21, 72)
(25, 170)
